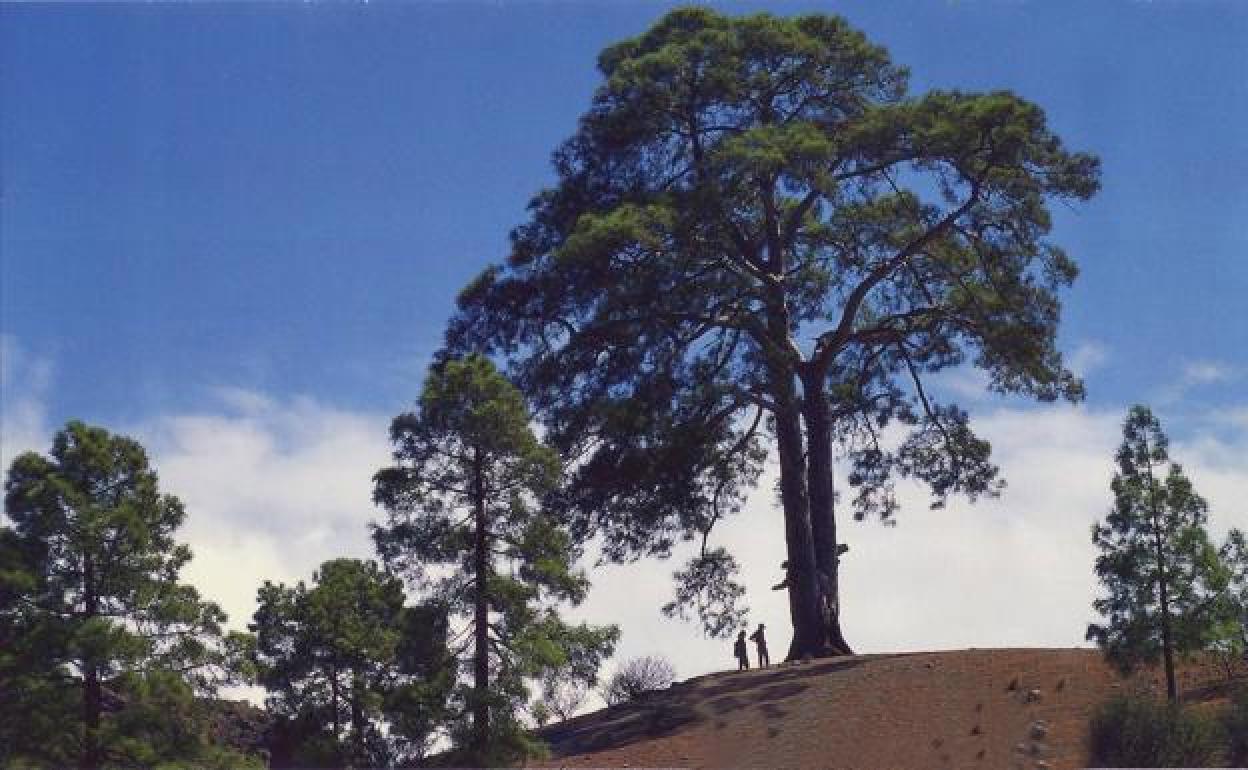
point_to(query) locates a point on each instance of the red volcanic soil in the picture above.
(992, 709)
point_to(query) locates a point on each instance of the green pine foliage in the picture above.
(103, 651)
(466, 524)
(355, 678)
(1164, 579)
(757, 239)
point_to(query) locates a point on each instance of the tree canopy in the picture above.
(759, 239)
(466, 525)
(356, 677)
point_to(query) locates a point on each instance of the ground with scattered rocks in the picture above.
(1007, 708)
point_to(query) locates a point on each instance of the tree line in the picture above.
(110, 660)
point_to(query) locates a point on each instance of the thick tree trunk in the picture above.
(819, 472)
(808, 628)
(481, 617)
(809, 636)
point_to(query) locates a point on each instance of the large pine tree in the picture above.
(757, 240)
(1162, 575)
(465, 523)
(96, 626)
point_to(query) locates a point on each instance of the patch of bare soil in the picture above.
(1009, 708)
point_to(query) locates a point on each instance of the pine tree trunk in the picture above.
(819, 472)
(1163, 596)
(357, 720)
(1167, 647)
(481, 616)
(1167, 642)
(333, 699)
(808, 627)
(92, 705)
(92, 694)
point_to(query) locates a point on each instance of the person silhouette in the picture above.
(743, 656)
(760, 640)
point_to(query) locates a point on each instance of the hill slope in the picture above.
(1025, 708)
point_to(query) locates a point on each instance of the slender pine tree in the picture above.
(1162, 575)
(465, 523)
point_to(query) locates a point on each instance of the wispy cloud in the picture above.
(1087, 357)
(1197, 374)
(24, 381)
(1206, 372)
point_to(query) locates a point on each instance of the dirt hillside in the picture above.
(1008, 708)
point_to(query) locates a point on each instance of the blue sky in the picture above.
(236, 230)
(287, 197)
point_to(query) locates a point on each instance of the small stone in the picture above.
(1033, 696)
(1039, 729)
(1037, 749)
(976, 730)
(1020, 748)
(1042, 765)
(1013, 685)
(929, 664)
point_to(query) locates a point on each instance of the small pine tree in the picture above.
(463, 499)
(1162, 574)
(352, 673)
(1230, 644)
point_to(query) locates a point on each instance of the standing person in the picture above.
(743, 656)
(761, 642)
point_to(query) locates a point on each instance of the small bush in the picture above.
(637, 676)
(1237, 728)
(1143, 732)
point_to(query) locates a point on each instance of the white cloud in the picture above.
(1014, 571)
(24, 381)
(272, 489)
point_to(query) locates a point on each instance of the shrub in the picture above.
(1144, 732)
(637, 676)
(562, 698)
(1236, 722)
